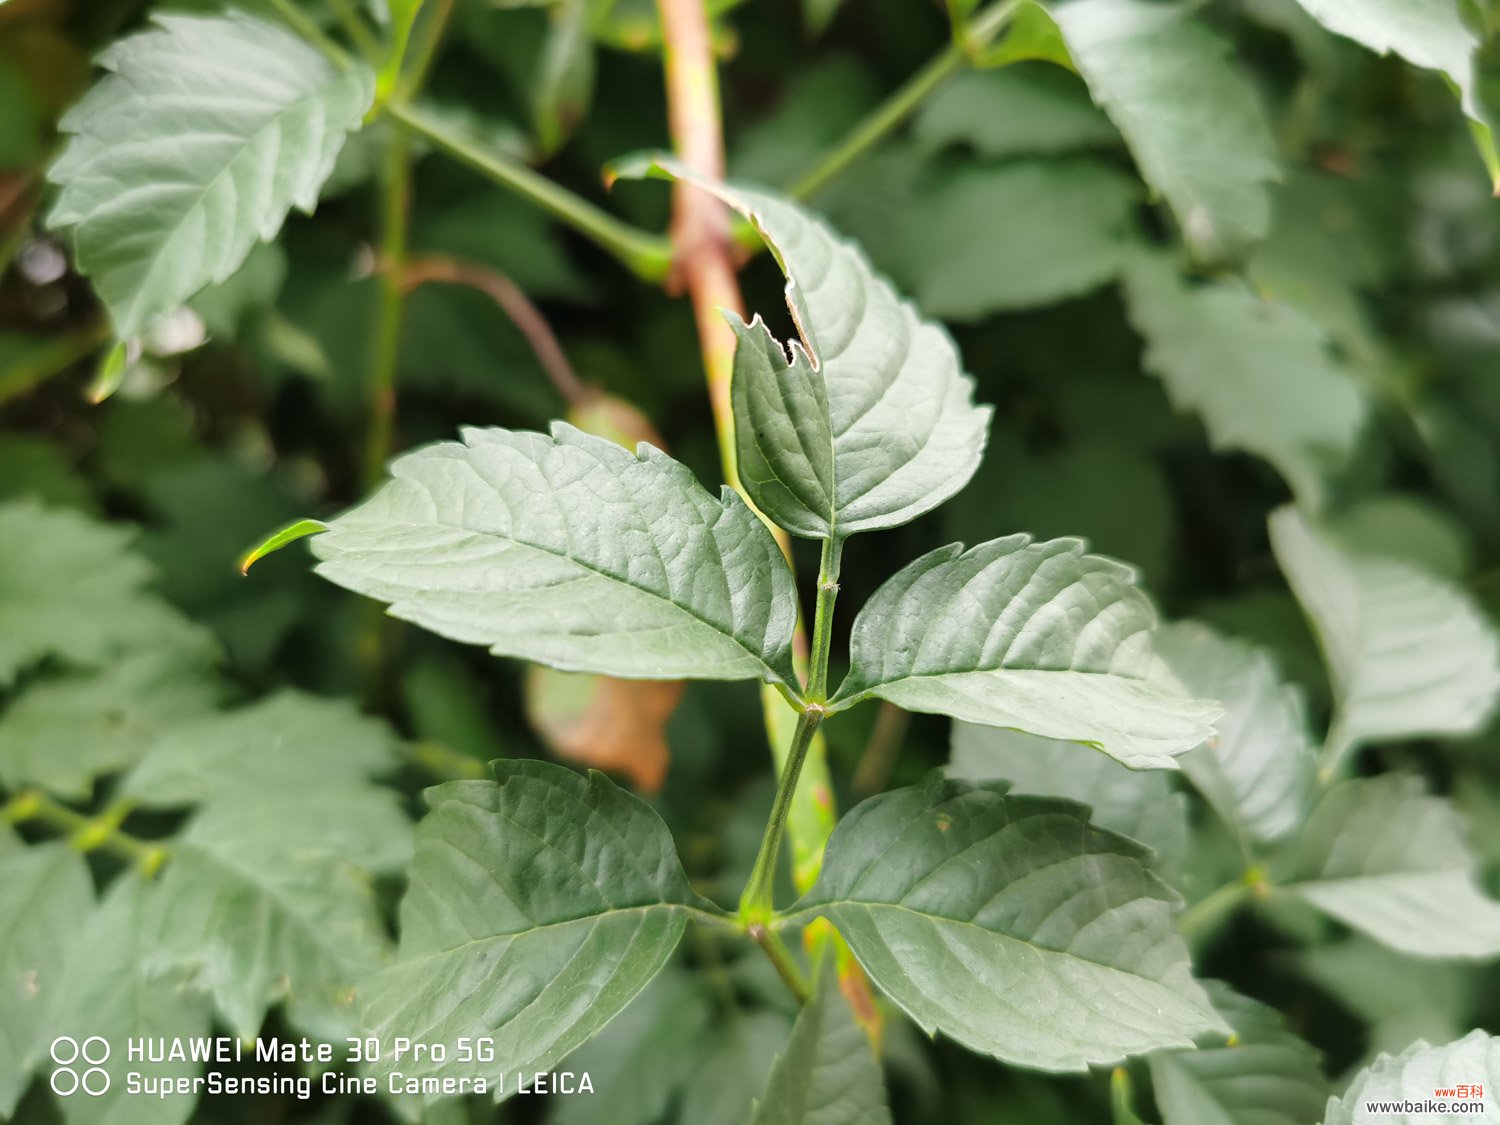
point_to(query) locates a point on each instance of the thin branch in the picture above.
(515, 304)
(885, 118)
(647, 255)
(87, 833)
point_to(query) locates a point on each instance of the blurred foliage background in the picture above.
(1008, 207)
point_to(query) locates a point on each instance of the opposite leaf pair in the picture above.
(569, 551)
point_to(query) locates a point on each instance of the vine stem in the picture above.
(889, 114)
(87, 833)
(648, 256)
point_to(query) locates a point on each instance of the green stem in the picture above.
(359, 32)
(86, 833)
(1218, 903)
(648, 256)
(756, 905)
(395, 211)
(305, 26)
(889, 114)
(781, 957)
(1335, 747)
(444, 762)
(424, 42)
(828, 592)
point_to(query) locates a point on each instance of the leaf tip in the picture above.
(279, 539)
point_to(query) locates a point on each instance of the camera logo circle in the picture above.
(78, 1066)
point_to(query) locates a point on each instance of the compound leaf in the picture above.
(538, 907)
(1190, 116)
(870, 420)
(571, 551)
(1385, 858)
(1139, 804)
(828, 1075)
(1421, 1069)
(1258, 373)
(202, 137)
(1036, 636)
(71, 589)
(1257, 769)
(1012, 925)
(1408, 652)
(1263, 1075)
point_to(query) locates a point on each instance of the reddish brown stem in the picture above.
(515, 304)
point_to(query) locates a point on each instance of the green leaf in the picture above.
(1139, 804)
(1011, 925)
(1055, 491)
(110, 990)
(1385, 858)
(828, 1074)
(202, 137)
(1409, 653)
(250, 290)
(1018, 110)
(1192, 119)
(298, 529)
(871, 421)
(39, 470)
(571, 551)
(1263, 1075)
(1036, 636)
(1417, 1072)
(1398, 998)
(1011, 236)
(735, 1056)
(565, 81)
(1426, 33)
(45, 897)
(1258, 373)
(1409, 528)
(1257, 769)
(63, 734)
(70, 588)
(537, 908)
(268, 897)
(643, 1057)
(285, 743)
